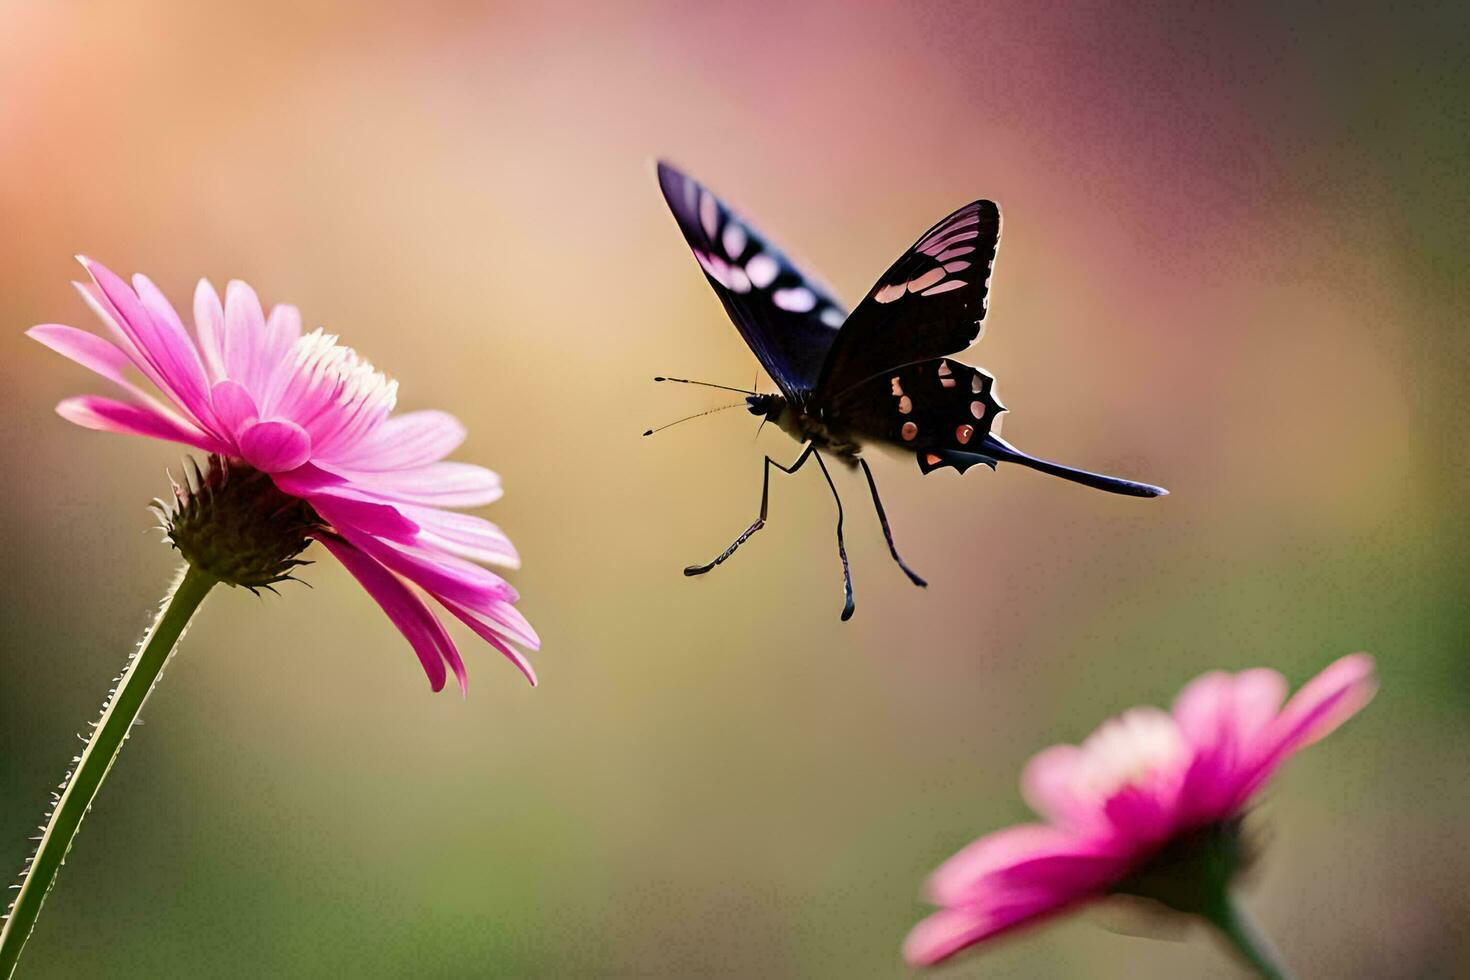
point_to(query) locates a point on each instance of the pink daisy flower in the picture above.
(317, 419)
(1149, 805)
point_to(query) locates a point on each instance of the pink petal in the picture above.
(1222, 716)
(181, 364)
(1205, 712)
(490, 635)
(1323, 703)
(159, 343)
(965, 875)
(1144, 814)
(209, 325)
(160, 337)
(506, 620)
(109, 415)
(342, 426)
(378, 520)
(1047, 786)
(1203, 709)
(244, 336)
(283, 327)
(434, 485)
(406, 441)
(1010, 878)
(464, 535)
(275, 445)
(408, 612)
(1223, 710)
(442, 576)
(97, 355)
(1258, 696)
(306, 480)
(946, 933)
(950, 931)
(103, 309)
(233, 406)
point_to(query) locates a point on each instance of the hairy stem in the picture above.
(91, 767)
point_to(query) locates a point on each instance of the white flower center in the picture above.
(1131, 750)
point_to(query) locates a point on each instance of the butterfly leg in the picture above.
(847, 606)
(760, 521)
(887, 534)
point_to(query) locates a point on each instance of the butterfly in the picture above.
(880, 375)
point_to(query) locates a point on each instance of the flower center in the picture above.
(1130, 750)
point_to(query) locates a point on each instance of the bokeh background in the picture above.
(1234, 264)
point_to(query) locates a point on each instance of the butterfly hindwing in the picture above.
(788, 320)
(941, 410)
(930, 303)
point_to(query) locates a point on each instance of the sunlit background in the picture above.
(1234, 263)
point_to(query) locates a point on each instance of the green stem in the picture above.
(1247, 938)
(96, 760)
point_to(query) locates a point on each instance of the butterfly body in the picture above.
(880, 375)
(804, 427)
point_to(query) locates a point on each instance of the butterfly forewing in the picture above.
(788, 320)
(934, 409)
(930, 303)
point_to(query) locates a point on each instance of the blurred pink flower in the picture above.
(317, 418)
(1118, 807)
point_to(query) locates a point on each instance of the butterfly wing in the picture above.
(788, 320)
(930, 303)
(941, 410)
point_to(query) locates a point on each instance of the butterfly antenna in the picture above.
(708, 384)
(696, 415)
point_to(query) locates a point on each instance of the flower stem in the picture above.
(1247, 938)
(92, 766)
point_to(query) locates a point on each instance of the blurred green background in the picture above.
(1234, 264)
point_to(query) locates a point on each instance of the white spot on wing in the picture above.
(833, 317)
(950, 241)
(731, 278)
(762, 270)
(888, 294)
(798, 299)
(734, 240)
(945, 287)
(963, 220)
(709, 214)
(921, 283)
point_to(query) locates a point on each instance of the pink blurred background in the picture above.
(1233, 264)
